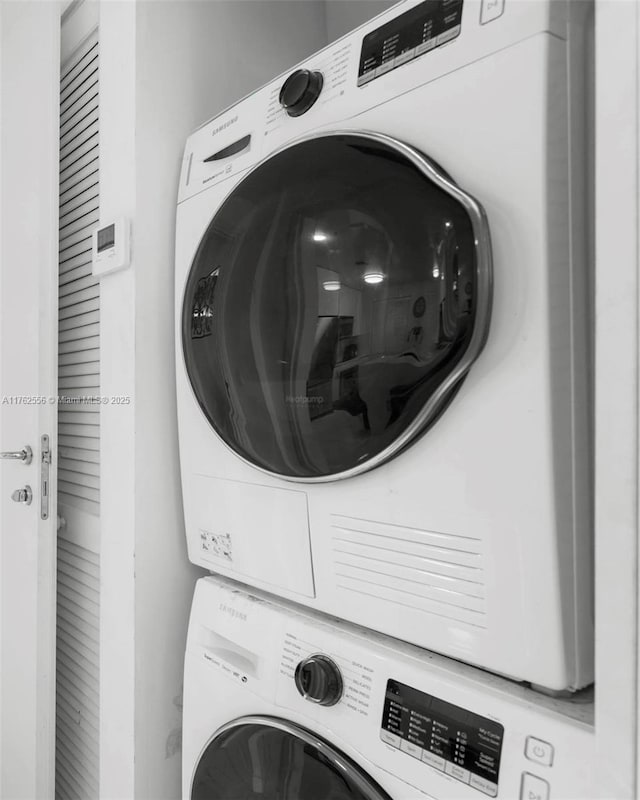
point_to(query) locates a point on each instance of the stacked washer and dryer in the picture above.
(383, 364)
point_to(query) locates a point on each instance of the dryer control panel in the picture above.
(406, 47)
(417, 31)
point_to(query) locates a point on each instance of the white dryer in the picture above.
(382, 337)
(282, 704)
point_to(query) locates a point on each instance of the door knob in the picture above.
(23, 496)
(25, 455)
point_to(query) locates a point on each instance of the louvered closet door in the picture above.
(78, 613)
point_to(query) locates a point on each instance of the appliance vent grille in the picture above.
(77, 673)
(77, 757)
(79, 290)
(438, 573)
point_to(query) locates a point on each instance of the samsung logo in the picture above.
(233, 612)
(224, 125)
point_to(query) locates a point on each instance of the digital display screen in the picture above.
(106, 237)
(458, 742)
(417, 31)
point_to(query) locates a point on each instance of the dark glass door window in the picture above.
(278, 761)
(334, 294)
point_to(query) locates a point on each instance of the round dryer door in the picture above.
(262, 758)
(335, 304)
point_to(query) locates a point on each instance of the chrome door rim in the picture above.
(365, 785)
(484, 278)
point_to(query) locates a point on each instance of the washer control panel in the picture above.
(449, 738)
(410, 718)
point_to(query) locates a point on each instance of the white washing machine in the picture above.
(382, 335)
(282, 704)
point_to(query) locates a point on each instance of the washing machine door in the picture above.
(335, 304)
(264, 758)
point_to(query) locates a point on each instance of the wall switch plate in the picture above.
(111, 247)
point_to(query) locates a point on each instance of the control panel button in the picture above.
(385, 67)
(411, 749)
(483, 785)
(404, 57)
(426, 46)
(533, 788)
(447, 36)
(459, 773)
(433, 760)
(366, 77)
(490, 10)
(539, 751)
(390, 738)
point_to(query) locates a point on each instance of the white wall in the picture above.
(617, 138)
(166, 67)
(345, 15)
(118, 444)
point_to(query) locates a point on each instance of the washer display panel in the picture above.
(260, 758)
(334, 305)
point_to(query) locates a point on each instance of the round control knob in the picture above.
(318, 680)
(300, 91)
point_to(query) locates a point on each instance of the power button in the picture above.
(539, 751)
